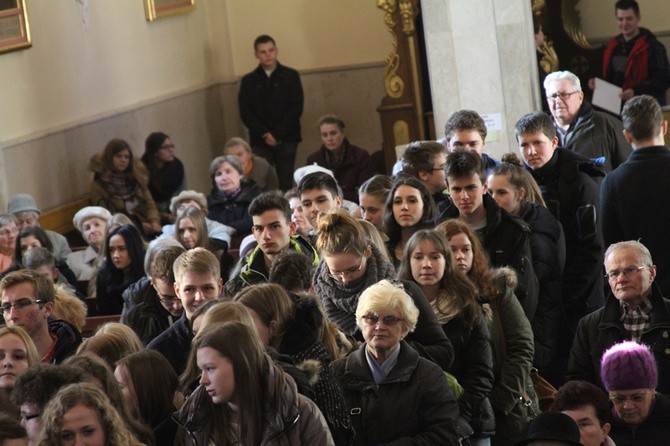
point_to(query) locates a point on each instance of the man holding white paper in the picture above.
(581, 129)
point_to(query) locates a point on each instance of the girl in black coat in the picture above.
(427, 261)
(515, 190)
(122, 267)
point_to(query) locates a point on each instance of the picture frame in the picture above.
(156, 9)
(14, 27)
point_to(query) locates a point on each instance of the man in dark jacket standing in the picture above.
(635, 310)
(271, 102)
(593, 134)
(567, 182)
(635, 196)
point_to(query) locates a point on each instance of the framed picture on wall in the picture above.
(156, 9)
(14, 29)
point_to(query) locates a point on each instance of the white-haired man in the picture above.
(593, 134)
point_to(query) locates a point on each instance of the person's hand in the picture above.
(270, 140)
(627, 94)
(156, 227)
(592, 83)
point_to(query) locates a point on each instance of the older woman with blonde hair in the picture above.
(350, 263)
(83, 412)
(394, 395)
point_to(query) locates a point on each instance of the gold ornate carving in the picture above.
(549, 61)
(572, 23)
(400, 132)
(393, 84)
(407, 16)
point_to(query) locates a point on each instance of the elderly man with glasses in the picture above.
(641, 415)
(593, 134)
(634, 310)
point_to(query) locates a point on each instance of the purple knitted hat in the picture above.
(628, 366)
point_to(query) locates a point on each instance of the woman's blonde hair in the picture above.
(68, 307)
(384, 295)
(338, 232)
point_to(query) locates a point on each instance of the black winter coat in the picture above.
(68, 339)
(506, 239)
(547, 245)
(597, 136)
(473, 368)
(635, 200)
(569, 187)
(271, 104)
(147, 317)
(175, 343)
(602, 329)
(413, 405)
(233, 211)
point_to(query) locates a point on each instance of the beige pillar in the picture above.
(481, 56)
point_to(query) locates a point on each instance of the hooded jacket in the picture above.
(513, 396)
(297, 422)
(569, 185)
(68, 339)
(251, 269)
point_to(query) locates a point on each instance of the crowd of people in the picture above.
(349, 308)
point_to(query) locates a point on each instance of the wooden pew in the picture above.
(93, 322)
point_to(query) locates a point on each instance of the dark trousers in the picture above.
(282, 157)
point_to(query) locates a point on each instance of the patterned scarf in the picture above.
(345, 296)
(118, 184)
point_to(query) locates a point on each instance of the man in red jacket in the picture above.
(635, 60)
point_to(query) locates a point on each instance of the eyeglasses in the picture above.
(373, 319)
(20, 305)
(26, 417)
(564, 96)
(347, 272)
(635, 399)
(167, 146)
(168, 300)
(9, 232)
(612, 275)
